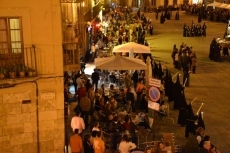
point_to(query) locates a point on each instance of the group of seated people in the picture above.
(121, 137)
(123, 128)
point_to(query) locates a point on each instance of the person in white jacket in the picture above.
(125, 146)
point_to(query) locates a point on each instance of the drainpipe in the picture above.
(37, 119)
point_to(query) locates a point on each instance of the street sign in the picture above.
(154, 94)
(153, 105)
(154, 82)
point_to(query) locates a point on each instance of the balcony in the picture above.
(71, 56)
(18, 63)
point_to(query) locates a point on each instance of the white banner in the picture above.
(154, 82)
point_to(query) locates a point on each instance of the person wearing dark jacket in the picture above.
(130, 97)
(134, 130)
(135, 79)
(95, 78)
(177, 17)
(88, 148)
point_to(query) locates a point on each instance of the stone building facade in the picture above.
(32, 109)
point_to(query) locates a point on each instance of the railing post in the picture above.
(35, 60)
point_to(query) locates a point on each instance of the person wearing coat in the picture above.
(184, 30)
(151, 30)
(177, 16)
(199, 17)
(194, 62)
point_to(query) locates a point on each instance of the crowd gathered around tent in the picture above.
(113, 100)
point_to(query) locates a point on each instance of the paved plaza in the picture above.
(210, 84)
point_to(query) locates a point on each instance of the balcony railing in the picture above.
(18, 62)
(71, 53)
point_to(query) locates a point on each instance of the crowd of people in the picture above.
(167, 14)
(119, 26)
(186, 59)
(193, 123)
(115, 113)
(217, 14)
(118, 114)
(215, 50)
(194, 30)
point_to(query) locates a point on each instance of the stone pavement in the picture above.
(210, 84)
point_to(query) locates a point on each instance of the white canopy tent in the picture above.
(120, 63)
(228, 7)
(215, 4)
(222, 5)
(137, 48)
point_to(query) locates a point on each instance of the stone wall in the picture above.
(18, 121)
(36, 126)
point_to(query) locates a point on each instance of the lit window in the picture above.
(10, 36)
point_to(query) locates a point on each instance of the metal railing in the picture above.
(18, 60)
(71, 56)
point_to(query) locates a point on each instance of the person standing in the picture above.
(78, 123)
(194, 62)
(75, 76)
(82, 61)
(184, 30)
(151, 30)
(204, 27)
(98, 143)
(85, 105)
(76, 142)
(128, 80)
(79, 81)
(199, 17)
(93, 49)
(134, 130)
(135, 79)
(156, 14)
(88, 148)
(80, 92)
(175, 50)
(177, 15)
(130, 97)
(95, 78)
(162, 20)
(217, 52)
(186, 76)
